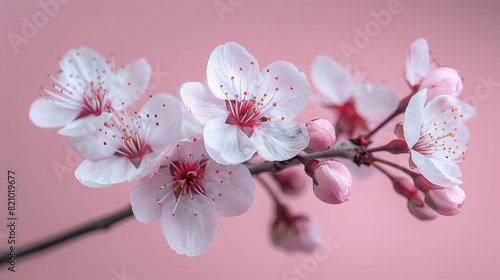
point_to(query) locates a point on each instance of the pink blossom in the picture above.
(186, 193)
(359, 105)
(247, 111)
(295, 233)
(446, 201)
(129, 145)
(436, 136)
(421, 74)
(322, 135)
(87, 91)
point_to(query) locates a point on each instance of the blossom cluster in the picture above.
(192, 154)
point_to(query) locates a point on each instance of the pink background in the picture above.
(377, 237)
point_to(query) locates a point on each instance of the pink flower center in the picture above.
(245, 115)
(187, 180)
(80, 90)
(249, 102)
(188, 176)
(94, 103)
(129, 137)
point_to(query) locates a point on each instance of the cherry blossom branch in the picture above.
(343, 149)
(102, 223)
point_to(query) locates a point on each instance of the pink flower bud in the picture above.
(295, 233)
(322, 135)
(416, 203)
(419, 209)
(292, 180)
(443, 80)
(446, 201)
(331, 180)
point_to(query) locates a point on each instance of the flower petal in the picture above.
(443, 173)
(86, 64)
(280, 140)
(105, 172)
(149, 163)
(165, 110)
(232, 189)
(91, 145)
(138, 74)
(374, 103)
(143, 198)
(233, 67)
(461, 137)
(186, 233)
(332, 80)
(47, 114)
(190, 125)
(443, 80)
(399, 131)
(413, 117)
(203, 105)
(468, 111)
(417, 61)
(85, 125)
(434, 109)
(285, 86)
(227, 144)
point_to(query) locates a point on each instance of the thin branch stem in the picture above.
(401, 108)
(267, 188)
(341, 149)
(392, 164)
(383, 170)
(102, 223)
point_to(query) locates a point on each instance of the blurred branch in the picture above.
(102, 223)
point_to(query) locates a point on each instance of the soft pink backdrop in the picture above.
(377, 237)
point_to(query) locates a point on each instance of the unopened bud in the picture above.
(442, 81)
(331, 180)
(446, 201)
(322, 135)
(295, 233)
(419, 209)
